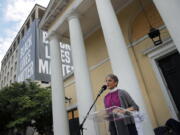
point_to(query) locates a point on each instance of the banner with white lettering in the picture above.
(66, 59)
(43, 69)
(34, 56)
(26, 59)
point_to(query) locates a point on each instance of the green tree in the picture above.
(26, 104)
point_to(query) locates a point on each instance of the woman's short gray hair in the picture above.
(114, 77)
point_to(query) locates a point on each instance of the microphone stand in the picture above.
(81, 125)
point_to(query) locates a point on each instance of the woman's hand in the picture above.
(130, 109)
(118, 110)
(123, 111)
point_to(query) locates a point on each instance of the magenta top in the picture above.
(112, 99)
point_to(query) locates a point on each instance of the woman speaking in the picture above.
(120, 98)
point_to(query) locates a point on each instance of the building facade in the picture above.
(29, 55)
(9, 64)
(111, 36)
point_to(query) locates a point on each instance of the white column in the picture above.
(119, 57)
(169, 11)
(36, 13)
(81, 72)
(60, 120)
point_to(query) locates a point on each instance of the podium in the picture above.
(112, 121)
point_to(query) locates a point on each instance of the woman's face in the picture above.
(110, 83)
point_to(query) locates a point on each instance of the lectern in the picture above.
(112, 118)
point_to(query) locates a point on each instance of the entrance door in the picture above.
(73, 122)
(170, 67)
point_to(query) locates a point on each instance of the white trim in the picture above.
(154, 54)
(71, 107)
(154, 51)
(69, 83)
(136, 42)
(64, 16)
(99, 64)
(90, 69)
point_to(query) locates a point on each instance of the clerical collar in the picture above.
(114, 89)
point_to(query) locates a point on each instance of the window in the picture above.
(18, 39)
(15, 66)
(22, 33)
(12, 59)
(7, 76)
(9, 64)
(73, 117)
(4, 79)
(44, 82)
(5, 69)
(11, 71)
(14, 46)
(16, 53)
(27, 25)
(14, 78)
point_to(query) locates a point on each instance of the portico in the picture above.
(73, 22)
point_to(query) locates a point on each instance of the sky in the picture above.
(13, 13)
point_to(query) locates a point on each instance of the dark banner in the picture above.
(26, 59)
(66, 59)
(34, 56)
(43, 69)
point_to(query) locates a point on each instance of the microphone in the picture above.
(103, 88)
